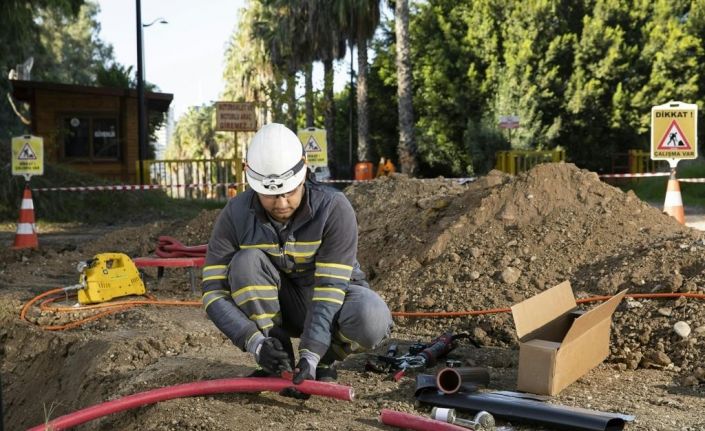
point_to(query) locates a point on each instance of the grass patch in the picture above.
(654, 189)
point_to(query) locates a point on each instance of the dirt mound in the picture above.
(427, 245)
(435, 246)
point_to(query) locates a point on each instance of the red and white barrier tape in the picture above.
(131, 187)
(645, 174)
(135, 187)
(691, 180)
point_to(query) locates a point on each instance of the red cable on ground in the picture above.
(208, 387)
(449, 314)
(413, 422)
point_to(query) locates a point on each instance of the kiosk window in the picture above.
(94, 138)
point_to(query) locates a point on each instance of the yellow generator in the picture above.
(108, 276)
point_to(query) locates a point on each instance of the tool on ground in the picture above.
(107, 276)
(419, 357)
(483, 421)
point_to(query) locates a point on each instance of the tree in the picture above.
(72, 51)
(327, 45)
(19, 27)
(407, 143)
(359, 19)
(280, 26)
(195, 135)
(604, 62)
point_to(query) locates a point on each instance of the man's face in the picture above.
(282, 207)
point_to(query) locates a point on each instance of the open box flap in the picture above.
(588, 320)
(537, 311)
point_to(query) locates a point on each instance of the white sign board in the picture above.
(508, 122)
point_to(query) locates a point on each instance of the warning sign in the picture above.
(312, 146)
(674, 139)
(674, 132)
(27, 155)
(314, 142)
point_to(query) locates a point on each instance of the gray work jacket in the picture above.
(319, 253)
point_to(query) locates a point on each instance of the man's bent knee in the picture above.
(248, 258)
(365, 318)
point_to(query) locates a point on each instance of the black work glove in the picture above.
(303, 372)
(272, 357)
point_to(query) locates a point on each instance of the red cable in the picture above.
(208, 387)
(413, 422)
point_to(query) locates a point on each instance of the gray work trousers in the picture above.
(270, 299)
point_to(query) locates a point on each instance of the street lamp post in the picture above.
(141, 108)
(141, 111)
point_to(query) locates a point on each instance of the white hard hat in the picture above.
(276, 161)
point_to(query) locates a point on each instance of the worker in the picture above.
(282, 262)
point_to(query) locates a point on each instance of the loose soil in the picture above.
(427, 245)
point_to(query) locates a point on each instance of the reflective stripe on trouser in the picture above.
(362, 323)
(254, 285)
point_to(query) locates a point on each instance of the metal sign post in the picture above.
(509, 122)
(236, 117)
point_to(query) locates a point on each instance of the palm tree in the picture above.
(280, 27)
(407, 143)
(359, 20)
(327, 45)
(249, 75)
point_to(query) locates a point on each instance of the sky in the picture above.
(184, 57)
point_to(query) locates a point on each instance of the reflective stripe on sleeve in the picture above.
(302, 249)
(270, 249)
(329, 294)
(214, 272)
(333, 270)
(213, 295)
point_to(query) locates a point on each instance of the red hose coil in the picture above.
(208, 387)
(413, 422)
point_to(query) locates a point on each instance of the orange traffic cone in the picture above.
(26, 235)
(673, 204)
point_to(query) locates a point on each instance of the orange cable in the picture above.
(113, 308)
(125, 305)
(450, 314)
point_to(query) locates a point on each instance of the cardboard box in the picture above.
(557, 343)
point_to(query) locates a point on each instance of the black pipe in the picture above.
(450, 380)
(517, 407)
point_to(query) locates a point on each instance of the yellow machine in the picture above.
(108, 276)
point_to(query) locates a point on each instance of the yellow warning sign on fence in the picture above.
(674, 132)
(27, 155)
(314, 142)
